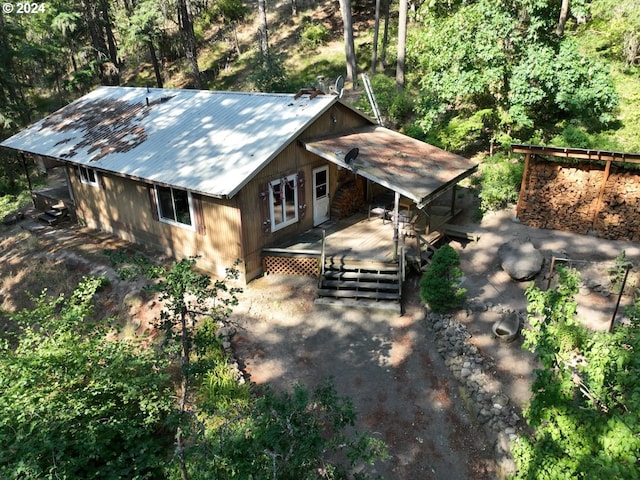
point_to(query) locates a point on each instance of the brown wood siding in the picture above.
(123, 208)
(233, 227)
(292, 159)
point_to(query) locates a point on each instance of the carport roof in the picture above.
(415, 169)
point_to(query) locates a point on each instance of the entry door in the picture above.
(321, 203)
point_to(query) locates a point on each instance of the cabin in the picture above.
(258, 177)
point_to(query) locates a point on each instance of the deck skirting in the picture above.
(305, 263)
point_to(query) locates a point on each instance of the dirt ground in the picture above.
(389, 365)
(386, 363)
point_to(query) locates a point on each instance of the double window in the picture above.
(174, 206)
(89, 176)
(283, 201)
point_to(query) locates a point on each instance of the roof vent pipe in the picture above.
(147, 99)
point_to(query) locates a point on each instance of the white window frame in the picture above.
(84, 176)
(170, 221)
(288, 221)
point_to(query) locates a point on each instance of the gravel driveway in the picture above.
(387, 365)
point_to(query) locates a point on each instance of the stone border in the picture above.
(481, 390)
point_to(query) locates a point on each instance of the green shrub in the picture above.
(463, 132)
(314, 35)
(396, 106)
(500, 179)
(440, 284)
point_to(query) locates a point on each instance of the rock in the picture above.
(521, 260)
(12, 218)
(507, 328)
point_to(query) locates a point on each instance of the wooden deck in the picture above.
(355, 237)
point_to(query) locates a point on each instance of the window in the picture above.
(174, 206)
(89, 176)
(283, 197)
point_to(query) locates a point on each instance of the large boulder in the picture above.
(521, 260)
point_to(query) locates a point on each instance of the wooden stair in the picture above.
(54, 215)
(359, 283)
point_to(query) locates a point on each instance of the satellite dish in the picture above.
(351, 156)
(339, 86)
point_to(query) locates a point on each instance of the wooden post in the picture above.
(607, 170)
(396, 220)
(26, 172)
(615, 311)
(550, 274)
(322, 258)
(453, 200)
(523, 184)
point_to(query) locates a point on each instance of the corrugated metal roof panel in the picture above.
(204, 141)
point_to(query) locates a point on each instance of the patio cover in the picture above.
(415, 169)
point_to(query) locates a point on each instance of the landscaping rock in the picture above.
(12, 218)
(521, 260)
(476, 375)
(507, 328)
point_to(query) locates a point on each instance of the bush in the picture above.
(269, 74)
(440, 284)
(396, 106)
(314, 35)
(463, 132)
(500, 178)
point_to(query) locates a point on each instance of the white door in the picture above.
(321, 203)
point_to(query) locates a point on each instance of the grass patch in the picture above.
(628, 87)
(11, 203)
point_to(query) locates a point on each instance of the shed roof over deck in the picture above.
(415, 169)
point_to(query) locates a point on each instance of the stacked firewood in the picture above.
(619, 216)
(565, 197)
(348, 199)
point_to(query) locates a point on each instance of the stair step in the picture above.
(49, 219)
(391, 268)
(338, 263)
(349, 275)
(56, 212)
(358, 285)
(351, 303)
(324, 292)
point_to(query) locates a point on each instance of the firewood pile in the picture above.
(565, 197)
(348, 199)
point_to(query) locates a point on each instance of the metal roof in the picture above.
(415, 169)
(204, 141)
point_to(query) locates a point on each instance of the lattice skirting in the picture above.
(291, 266)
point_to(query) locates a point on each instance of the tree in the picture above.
(188, 296)
(619, 21)
(143, 25)
(298, 435)
(440, 284)
(276, 435)
(350, 51)
(185, 24)
(263, 31)
(232, 11)
(75, 403)
(505, 56)
(585, 398)
(376, 30)
(402, 43)
(562, 19)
